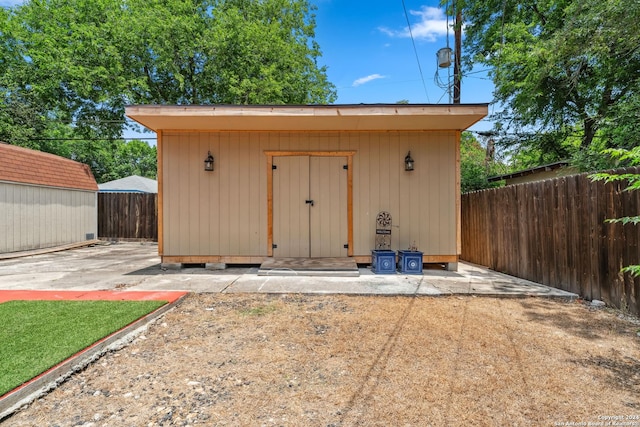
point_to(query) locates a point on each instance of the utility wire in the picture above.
(406, 15)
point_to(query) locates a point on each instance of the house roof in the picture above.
(531, 171)
(27, 166)
(365, 117)
(133, 183)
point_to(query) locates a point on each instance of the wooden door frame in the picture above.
(271, 154)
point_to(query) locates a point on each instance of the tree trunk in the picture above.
(589, 132)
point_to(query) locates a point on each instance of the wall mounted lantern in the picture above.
(408, 162)
(208, 163)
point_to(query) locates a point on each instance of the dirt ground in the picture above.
(294, 360)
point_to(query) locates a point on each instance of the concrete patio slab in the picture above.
(136, 266)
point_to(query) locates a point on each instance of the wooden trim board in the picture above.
(426, 259)
(458, 197)
(203, 259)
(160, 175)
(240, 259)
(350, 205)
(269, 205)
(311, 153)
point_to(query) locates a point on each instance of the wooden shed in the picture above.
(306, 181)
(45, 201)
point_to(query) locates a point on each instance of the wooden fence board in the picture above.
(522, 257)
(560, 233)
(554, 232)
(615, 242)
(573, 229)
(535, 235)
(510, 221)
(584, 235)
(631, 290)
(499, 227)
(128, 216)
(546, 238)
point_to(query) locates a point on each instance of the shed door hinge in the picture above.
(274, 167)
(346, 246)
(345, 167)
(274, 246)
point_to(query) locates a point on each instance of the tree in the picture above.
(476, 164)
(69, 67)
(562, 69)
(135, 158)
(20, 120)
(21, 117)
(92, 57)
(63, 62)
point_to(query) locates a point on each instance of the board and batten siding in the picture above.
(225, 212)
(36, 217)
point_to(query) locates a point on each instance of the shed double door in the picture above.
(309, 206)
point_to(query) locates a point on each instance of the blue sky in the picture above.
(369, 53)
(370, 56)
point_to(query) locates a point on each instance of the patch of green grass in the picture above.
(260, 310)
(37, 335)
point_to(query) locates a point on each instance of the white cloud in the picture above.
(432, 24)
(367, 79)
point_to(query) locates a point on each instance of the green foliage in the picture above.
(475, 165)
(96, 56)
(113, 159)
(135, 158)
(633, 270)
(69, 67)
(565, 71)
(625, 220)
(632, 156)
(20, 120)
(624, 158)
(631, 181)
(37, 335)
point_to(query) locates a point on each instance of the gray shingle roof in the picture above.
(133, 184)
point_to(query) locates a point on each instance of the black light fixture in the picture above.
(208, 163)
(408, 162)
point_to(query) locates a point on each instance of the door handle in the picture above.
(309, 202)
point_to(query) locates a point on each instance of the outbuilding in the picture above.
(129, 184)
(538, 173)
(45, 201)
(241, 184)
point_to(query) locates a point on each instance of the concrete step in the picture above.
(325, 267)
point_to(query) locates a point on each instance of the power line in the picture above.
(415, 51)
(484, 70)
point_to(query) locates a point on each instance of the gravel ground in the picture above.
(292, 360)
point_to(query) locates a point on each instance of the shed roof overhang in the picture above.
(363, 117)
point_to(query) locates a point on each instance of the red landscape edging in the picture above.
(27, 295)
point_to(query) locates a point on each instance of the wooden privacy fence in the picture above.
(554, 232)
(128, 216)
